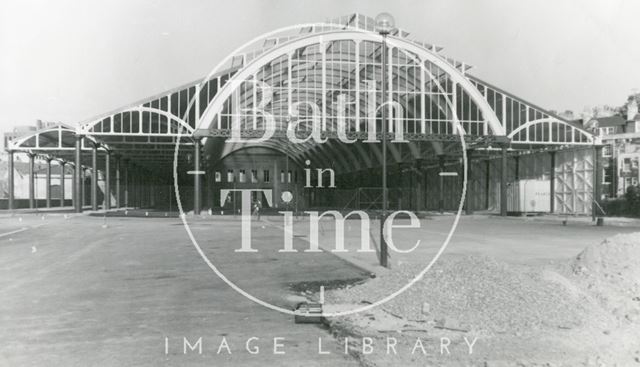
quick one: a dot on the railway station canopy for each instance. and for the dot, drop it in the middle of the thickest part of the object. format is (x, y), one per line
(324, 78)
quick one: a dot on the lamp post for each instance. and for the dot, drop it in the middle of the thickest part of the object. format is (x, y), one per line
(384, 25)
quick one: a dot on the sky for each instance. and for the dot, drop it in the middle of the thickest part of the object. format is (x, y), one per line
(70, 60)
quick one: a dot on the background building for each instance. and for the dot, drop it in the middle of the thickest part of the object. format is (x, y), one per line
(621, 136)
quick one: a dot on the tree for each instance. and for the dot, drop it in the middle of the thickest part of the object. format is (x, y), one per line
(622, 110)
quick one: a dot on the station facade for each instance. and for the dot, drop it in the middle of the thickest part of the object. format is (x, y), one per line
(313, 99)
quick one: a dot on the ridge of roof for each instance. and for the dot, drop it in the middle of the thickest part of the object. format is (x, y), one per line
(609, 121)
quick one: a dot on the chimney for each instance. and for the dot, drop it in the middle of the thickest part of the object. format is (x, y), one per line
(632, 109)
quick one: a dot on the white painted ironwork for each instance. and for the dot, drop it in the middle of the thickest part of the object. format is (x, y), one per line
(550, 130)
(52, 139)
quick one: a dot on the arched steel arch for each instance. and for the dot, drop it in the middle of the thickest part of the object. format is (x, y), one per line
(554, 130)
(54, 137)
(106, 126)
(215, 107)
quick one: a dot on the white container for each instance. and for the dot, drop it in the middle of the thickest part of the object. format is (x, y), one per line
(529, 196)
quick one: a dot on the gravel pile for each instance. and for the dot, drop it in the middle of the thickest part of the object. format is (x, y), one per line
(611, 272)
(480, 294)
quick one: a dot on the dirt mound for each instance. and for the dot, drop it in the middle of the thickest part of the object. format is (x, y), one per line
(611, 272)
(560, 314)
(481, 294)
(616, 257)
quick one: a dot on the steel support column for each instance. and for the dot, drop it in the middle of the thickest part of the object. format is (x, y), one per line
(419, 185)
(467, 194)
(503, 182)
(74, 199)
(94, 177)
(117, 182)
(146, 189)
(132, 181)
(144, 203)
(487, 185)
(141, 192)
(77, 173)
(276, 185)
(48, 183)
(207, 188)
(196, 177)
(107, 181)
(10, 178)
(83, 187)
(62, 181)
(441, 190)
(136, 189)
(597, 182)
(383, 241)
(552, 183)
(400, 178)
(126, 183)
(31, 181)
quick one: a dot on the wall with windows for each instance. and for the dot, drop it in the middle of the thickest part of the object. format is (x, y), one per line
(256, 168)
(629, 174)
(621, 158)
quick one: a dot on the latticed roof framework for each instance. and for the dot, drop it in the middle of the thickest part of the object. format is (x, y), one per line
(330, 75)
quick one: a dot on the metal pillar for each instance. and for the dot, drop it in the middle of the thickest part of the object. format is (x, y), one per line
(74, 199)
(77, 179)
(83, 188)
(48, 183)
(62, 181)
(503, 182)
(132, 181)
(94, 177)
(139, 189)
(196, 177)
(141, 193)
(441, 191)
(276, 185)
(487, 185)
(467, 194)
(31, 181)
(207, 190)
(126, 184)
(138, 184)
(135, 180)
(552, 183)
(597, 181)
(419, 183)
(107, 182)
(383, 216)
(117, 182)
(11, 181)
(146, 190)
(132, 188)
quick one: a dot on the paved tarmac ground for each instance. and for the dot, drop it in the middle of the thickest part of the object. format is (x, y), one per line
(511, 239)
(85, 291)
